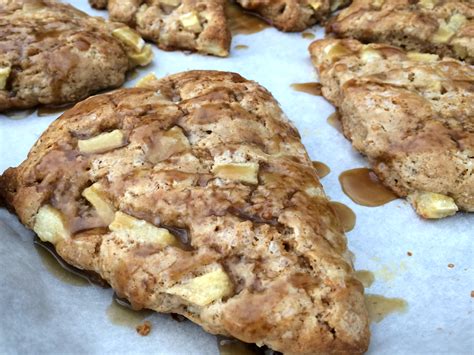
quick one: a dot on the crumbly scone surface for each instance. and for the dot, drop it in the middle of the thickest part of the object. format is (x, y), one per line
(293, 15)
(255, 251)
(411, 114)
(196, 25)
(444, 27)
(52, 53)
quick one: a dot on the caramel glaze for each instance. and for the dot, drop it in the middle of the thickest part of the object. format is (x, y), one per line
(346, 216)
(64, 271)
(380, 307)
(124, 303)
(121, 313)
(334, 120)
(321, 169)
(309, 88)
(308, 35)
(229, 346)
(366, 277)
(242, 22)
(364, 188)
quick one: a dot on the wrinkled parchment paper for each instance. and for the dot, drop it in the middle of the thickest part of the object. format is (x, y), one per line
(41, 314)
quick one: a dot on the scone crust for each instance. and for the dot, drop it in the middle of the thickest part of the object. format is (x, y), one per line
(412, 25)
(56, 54)
(163, 24)
(410, 113)
(273, 234)
(293, 15)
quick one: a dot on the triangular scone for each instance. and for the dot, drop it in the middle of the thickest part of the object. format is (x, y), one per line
(52, 53)
(293, 15)
(411, 114)
(195, 25)
(195, 196)
(443, 27)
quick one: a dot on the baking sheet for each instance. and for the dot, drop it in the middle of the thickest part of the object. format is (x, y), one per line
(41, 313)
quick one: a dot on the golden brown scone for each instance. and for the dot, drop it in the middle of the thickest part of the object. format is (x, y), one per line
(195, 25)
(293, 15)
(411, 114)
(194, 195)
(51, 54)
(443, 27)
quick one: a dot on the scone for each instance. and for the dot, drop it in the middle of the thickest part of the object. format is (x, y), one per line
(443, 27)
(411, 114)
(51, 54)
(195, 25)
(293, 15)
(194, 195)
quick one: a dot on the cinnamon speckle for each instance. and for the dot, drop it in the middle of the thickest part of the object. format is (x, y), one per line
(144, 329)
(450, 266)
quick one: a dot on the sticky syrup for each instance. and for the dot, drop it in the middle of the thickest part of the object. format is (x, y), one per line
(63, 271)
(241, 22)
(308, 35)
(120, 313)
(364, 188)
(380, 307)
(366, 277)
(335, 121)
(308, 88)
(346, 216)
(321, 169)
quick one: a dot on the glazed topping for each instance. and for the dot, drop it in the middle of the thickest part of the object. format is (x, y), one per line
(193, 194)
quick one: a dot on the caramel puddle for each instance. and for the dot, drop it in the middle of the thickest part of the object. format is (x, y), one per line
(60, 271)
(120, 314)
(346, 216)
(63, 271)
(308, 88)
(242, 22)
(321, 169)
(308, 35)
(380, 307)
(364, 188)
(366, 277)
(335, 121)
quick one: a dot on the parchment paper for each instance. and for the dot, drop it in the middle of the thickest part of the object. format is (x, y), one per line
(41, 314)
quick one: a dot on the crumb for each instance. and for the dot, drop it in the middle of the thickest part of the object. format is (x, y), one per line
(472, 294)
(144, 329)
(450, 266)
(409, 253)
